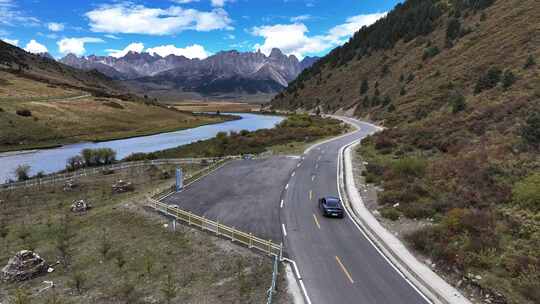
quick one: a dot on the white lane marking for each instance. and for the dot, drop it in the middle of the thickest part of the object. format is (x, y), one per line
(294, 172)
(312, 177)
(300, 279)
(286, 186)
(281, 205)
(310, 195)
(284, 230)
(316, 166)
(339, 164)
(299, 164)
(319, 158)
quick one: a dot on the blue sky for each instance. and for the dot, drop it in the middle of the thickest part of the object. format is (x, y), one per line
(194, 28)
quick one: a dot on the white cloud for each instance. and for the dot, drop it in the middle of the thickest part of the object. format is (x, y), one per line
(293, 39)
(129, 18)
(184, 1)
(110, 36)
(192, 51)
(35, 47)
(300, 18)
(55, 27)
(76, 45)
(133, 47)
(14, 42)
(11, 15)
(218, 3)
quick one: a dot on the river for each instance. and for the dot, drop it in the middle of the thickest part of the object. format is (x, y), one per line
(54, 159)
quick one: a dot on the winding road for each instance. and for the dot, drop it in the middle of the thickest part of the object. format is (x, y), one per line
(337, 263)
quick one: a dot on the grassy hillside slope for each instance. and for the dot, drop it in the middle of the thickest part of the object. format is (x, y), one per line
(45, 103)
(457, 84)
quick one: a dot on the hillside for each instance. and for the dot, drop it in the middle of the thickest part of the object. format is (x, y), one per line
(44, 103)
(456, 84)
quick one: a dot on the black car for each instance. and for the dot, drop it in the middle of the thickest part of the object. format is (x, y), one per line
(331, 206)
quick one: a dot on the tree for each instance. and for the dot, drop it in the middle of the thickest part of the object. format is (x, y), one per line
(318, 111)
(508, 79)
(488, 80)
(530, 62)
(364, 87)
(531, 131)
(22, 172)
(453, 29)
(457, 102)
(402, 91)
(387, 100)
(169, 290)
(74, 163)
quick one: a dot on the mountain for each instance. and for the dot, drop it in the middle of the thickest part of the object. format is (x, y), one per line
(456, 84)
(224, 72)
(43, 68)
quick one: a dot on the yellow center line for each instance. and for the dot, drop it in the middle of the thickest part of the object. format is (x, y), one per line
(316, 221)
(344, 270)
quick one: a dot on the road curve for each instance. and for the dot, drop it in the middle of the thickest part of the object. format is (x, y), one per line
(337, 263)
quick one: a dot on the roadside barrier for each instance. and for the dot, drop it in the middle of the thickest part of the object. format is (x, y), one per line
(273, 286)
(63, 177)
(246, 239)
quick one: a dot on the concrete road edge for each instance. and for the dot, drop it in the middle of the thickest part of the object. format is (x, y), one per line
(418, 274)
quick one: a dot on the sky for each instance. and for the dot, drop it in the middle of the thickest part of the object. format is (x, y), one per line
(193, 28)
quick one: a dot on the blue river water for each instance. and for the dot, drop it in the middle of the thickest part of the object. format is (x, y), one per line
(54, 159)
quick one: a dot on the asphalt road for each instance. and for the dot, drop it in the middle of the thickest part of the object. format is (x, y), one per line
(336, 262)
(242, 194)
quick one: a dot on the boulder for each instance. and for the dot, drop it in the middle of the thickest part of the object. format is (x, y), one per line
(122, 186)
(23, 266)
(80, 206)
(70, 185)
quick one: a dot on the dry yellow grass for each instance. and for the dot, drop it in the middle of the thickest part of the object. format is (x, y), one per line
(223, 106)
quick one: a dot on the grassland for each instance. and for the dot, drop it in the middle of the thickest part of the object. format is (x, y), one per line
(217, 106)
(60, 116)
(118, 252)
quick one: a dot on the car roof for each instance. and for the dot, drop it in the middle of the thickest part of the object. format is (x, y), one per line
(331, 198)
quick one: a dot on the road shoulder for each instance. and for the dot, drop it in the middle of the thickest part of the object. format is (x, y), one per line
(417, 273)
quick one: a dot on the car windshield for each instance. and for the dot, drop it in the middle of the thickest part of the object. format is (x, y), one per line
(332, 202)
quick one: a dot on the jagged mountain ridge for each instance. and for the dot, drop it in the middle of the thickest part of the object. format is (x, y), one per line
(249, 72)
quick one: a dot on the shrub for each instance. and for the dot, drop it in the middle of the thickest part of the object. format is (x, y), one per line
(526, 193)
(409, 167)
(1, 110)
(22, 172)
(430, 52)
(24, 112)
(390, 213)
(508, 79)
(489, 80)
(364, 87)
(97, 157)
(402, 91)
(530, 62)
(453, 29)
(74, 163)
(457, 102)
(531, 131)
(418, 209)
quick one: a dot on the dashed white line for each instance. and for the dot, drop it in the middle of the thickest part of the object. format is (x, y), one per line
(312, 177)
(294, 172)
(316, 166)
(284, 230)
(281, 204)
(299, 164)
(286, 186)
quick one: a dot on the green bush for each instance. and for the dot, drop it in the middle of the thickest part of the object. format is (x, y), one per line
(364, 87)
(453, 29)
(508, 79)
(526, 193)
(390, 213)
(409, 167)
(457, 102)
(24, 112)
(430, 52)
(489, 80)
(98, 157)
(531, 131)
(530, 62)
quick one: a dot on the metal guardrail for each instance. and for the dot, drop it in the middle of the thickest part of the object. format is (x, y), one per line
(62, 177)
(272, 288)
(247, 239)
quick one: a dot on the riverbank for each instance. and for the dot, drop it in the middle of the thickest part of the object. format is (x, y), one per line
(53, 123)
(290, 136)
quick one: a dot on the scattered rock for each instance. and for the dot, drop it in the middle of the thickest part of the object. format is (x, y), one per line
(23, 266)
(80, 206)
(70, 185)
(122, 186)
(396, 205)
